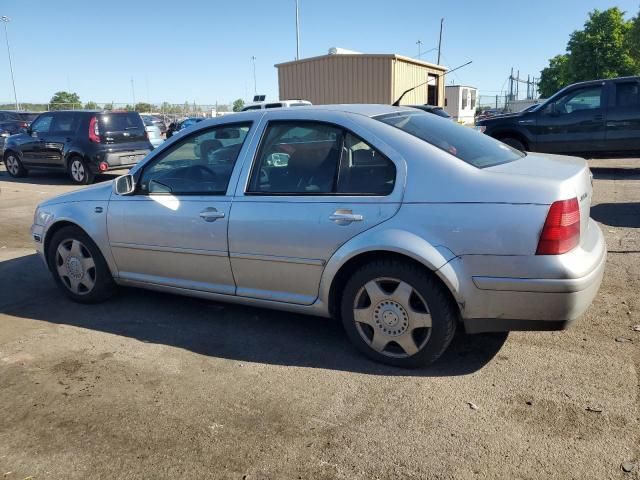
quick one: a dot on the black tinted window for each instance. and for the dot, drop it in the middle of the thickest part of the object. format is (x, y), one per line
(199, 164)
(468, 145)
(119, 122)
(627, 95)
(363, 170)
(297, 158)
(65, 123)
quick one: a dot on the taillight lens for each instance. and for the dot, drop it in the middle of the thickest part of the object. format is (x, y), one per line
(561, 231)
(94, 132)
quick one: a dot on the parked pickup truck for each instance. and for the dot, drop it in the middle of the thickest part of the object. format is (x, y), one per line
(595, 118)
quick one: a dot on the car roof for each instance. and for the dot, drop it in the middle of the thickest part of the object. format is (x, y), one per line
(598, 81)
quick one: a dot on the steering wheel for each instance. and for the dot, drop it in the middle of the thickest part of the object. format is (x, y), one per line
(202, 173)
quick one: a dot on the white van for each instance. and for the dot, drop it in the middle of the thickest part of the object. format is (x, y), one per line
(278, 104)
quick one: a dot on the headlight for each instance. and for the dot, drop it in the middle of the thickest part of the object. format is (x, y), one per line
(41, 217)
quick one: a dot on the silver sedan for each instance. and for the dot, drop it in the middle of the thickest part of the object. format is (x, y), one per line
(402, 224)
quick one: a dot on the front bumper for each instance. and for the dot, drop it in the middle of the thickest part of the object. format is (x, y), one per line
(506, 303)
(37, 234)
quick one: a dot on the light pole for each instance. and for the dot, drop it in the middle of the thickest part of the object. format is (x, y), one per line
(297, 33)
(6, 20)
(255, 85)
(419, 43)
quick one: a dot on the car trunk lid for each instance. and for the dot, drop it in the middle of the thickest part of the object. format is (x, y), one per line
(572, 174)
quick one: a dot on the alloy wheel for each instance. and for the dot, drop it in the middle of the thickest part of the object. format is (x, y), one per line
(392, 317)
(77, 170)
(12, 165)
(75, 266)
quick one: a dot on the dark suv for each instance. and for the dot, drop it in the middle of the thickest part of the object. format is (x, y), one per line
(596, 118)
(82, 143)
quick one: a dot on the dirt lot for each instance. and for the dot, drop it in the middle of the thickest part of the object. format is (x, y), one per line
(154, 386)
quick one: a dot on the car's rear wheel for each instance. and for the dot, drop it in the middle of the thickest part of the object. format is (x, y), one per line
(14, 165)
(514, 142)
(397, 313)
(79, 171)
(78, 267)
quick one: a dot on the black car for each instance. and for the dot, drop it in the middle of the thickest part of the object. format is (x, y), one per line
(175, 127)
(12, 122)
(80, 142)
(595, 118)
(439, 111)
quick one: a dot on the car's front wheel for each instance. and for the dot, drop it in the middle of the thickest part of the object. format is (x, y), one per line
(397, 313)
(79, 171)
(14, 165)
(78, 267)
(514, 142)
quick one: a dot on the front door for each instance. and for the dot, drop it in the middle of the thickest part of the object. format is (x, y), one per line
(313, 187)
(574, 123)
(32, 145)
(173, 231)
(623, 117)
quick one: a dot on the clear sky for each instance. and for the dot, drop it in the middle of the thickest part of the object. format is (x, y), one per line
(201, 51)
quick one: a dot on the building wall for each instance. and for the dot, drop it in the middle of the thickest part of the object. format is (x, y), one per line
(337, 79)
(358, 78)
(407, 75)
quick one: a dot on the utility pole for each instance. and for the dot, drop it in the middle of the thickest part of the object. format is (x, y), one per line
(419, 43)
(133, 95)
(6, 20)
(297, 33)
(255, 85)
(440, 40)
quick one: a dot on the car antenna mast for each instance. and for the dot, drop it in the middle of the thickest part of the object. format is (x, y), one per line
(397, 102)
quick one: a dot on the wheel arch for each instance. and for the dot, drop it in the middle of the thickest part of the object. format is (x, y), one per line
(513, 133)
(405, 246)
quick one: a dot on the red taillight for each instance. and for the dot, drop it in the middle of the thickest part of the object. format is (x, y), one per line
(104, 166)
(94, 132)
(561, 231)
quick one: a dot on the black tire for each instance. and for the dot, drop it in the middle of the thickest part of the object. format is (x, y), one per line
(103, 284)
(79, 171)
(14, 165)
(426, 289)
(515, 143)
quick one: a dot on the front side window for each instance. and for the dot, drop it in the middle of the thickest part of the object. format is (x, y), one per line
(42, 124)
(468, 145)
(628, 95)
(583, 99)
(200, 164)
(312, 158)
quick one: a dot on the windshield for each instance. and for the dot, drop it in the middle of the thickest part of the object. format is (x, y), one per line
(465, 143)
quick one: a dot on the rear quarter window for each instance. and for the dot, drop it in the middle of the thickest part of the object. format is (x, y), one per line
(462, 142)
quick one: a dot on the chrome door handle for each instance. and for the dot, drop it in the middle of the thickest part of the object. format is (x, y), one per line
(345, 217)
(211, 214)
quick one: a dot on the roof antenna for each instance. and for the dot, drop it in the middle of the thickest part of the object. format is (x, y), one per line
(397, 102)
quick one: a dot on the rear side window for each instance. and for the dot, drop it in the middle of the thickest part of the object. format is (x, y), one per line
(273, 105)
(65, 123)
(628, 95)
(119, 122)
(314, 158)
(468, 145)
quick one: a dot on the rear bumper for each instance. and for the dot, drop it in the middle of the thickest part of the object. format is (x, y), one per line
(119, 160)
(498, 304)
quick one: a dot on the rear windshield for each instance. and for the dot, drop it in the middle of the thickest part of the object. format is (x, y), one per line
(465, 143)
(119, 122)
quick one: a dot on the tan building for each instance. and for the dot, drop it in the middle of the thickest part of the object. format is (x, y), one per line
(361, 78)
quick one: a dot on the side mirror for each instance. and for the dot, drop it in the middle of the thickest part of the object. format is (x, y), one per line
(124, 185)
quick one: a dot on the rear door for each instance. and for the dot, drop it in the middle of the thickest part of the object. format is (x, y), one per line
(313, 186)
(62, 133)
(574, 123)
(623, 117)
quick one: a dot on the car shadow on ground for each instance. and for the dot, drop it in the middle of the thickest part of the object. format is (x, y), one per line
(44, 177)
(218, 329)
(615, 173)
(617, 214)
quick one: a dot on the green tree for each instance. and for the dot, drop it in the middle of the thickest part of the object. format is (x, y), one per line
(604, 48)
(91, 106)
(143, 107)
(65, 101)
(238, 105)
(554, 77)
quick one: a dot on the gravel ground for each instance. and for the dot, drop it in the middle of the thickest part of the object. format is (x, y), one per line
(150, 385)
